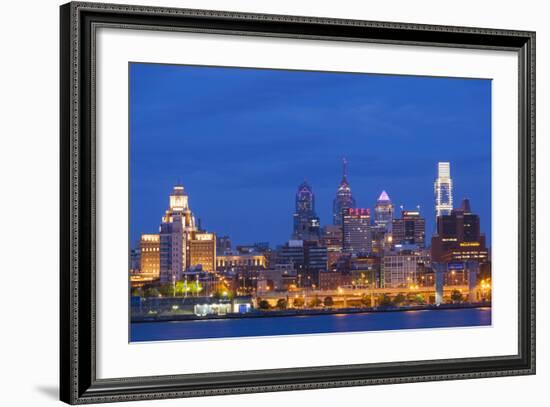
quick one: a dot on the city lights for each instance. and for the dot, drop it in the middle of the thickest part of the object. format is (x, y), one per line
(356, 262)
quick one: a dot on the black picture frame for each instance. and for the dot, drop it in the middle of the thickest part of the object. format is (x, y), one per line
(78, 382)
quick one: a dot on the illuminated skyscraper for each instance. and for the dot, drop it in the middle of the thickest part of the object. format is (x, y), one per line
(443, 188)
(177, 224)
(357, 237)
(306, 222)
(383, 212)
(344, 199)
(410, 229)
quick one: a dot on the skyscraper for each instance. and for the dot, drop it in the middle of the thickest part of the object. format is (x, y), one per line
(344, 199)
(458, 237)
(357, 236)
(177, 224)
(443, 189)
(306, 222)
(292, 253)
(383, 212)
(332, 240)
(409, 229)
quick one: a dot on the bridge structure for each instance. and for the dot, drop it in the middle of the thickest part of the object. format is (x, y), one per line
(345, 296)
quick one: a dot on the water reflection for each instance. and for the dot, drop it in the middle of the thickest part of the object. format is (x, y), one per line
(295, 325)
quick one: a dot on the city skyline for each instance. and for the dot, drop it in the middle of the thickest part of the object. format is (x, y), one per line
(306, 186)
(305, 203)
(259, 184)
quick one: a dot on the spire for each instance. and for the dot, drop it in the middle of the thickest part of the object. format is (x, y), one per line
(345, 169)
(344, 199)
(384, 197)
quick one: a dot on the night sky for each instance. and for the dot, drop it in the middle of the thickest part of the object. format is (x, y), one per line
(242, 140)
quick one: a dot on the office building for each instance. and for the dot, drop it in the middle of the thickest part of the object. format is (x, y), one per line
(306, 222)
(177, 224)
(401, 270)
(383, 212)
(410, 229)
(315, 256)
(149, 248)
(331, 238)
(307, 258)
(357, 231)
(458, 237)
(381, 240)
(443, 190)
(292, 253)
(404, 266)
(202, 251)
(344, 198)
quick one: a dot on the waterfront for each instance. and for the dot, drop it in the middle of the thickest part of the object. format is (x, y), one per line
(298, 325)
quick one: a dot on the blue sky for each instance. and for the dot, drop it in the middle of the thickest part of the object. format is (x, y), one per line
(242, 140)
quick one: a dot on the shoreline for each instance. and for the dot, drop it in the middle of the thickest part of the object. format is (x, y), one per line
(301, 313)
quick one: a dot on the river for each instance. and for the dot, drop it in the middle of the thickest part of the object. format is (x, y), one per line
(296, 325)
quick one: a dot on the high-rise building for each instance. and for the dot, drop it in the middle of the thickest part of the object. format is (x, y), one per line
(315, 256)
(443, 189)
(458, 237)
(405, 266)
(403, 269)
(383, 212)
(410, 229)
(344, 199)
(177, 224)
(307, 258)
(357, 231)
(381, 240)
(292, 253)
(332, 240)
(306, 222)
(149, 248)
(202, 251)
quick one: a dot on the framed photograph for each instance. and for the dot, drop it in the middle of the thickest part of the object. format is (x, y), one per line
(255, 203)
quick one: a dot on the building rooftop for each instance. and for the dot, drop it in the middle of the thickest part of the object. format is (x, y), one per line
(384, 197)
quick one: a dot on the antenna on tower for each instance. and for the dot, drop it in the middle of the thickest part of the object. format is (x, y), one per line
(345, 167)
